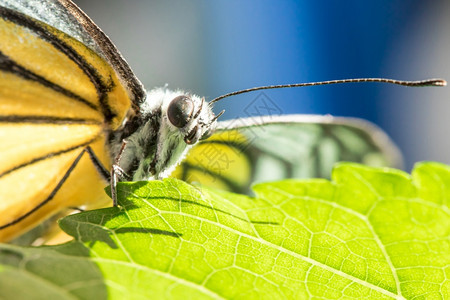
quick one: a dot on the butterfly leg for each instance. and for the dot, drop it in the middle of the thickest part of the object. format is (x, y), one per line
(117, 172)
(77, 209)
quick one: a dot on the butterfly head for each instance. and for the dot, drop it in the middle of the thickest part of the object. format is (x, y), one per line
(185, 119)
(169, 124)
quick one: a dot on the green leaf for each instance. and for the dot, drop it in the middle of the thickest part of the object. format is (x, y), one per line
(369, 233)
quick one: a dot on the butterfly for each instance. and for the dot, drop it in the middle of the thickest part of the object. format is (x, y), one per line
(73, 117)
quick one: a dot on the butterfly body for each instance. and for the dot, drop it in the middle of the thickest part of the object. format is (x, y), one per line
(154, 145)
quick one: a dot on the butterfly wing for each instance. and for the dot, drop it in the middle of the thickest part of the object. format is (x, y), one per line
(245, 151)
(57, 98)
(65, 16)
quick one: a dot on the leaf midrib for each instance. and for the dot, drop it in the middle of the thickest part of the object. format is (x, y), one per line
(286, 251)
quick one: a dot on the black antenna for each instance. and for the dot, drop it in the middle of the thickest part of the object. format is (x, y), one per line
(426, 82)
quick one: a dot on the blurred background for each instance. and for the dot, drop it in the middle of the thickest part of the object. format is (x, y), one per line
(214, 47)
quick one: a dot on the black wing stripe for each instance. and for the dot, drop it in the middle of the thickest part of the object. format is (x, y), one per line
(49, 197)
(245, 148)
(187, 167)
(101, 169)
(240, 148)
(101, 87)
(47, 120)
(10, 66)
(110, 51)
(47, 156)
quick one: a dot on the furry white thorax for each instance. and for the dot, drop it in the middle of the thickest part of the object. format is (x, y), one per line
(161, 149)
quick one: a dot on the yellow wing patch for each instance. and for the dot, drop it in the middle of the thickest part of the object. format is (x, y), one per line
(23, 143)
(218, 162)
(21, 97)
(118, 99)
(67, 64)
(23, 191)
(40, 57)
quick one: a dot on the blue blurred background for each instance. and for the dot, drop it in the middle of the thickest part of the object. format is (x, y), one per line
(214, 47)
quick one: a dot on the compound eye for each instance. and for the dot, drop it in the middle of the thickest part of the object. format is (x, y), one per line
(180, 111)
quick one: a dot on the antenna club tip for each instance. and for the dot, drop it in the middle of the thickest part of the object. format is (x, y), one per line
(439, 82)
